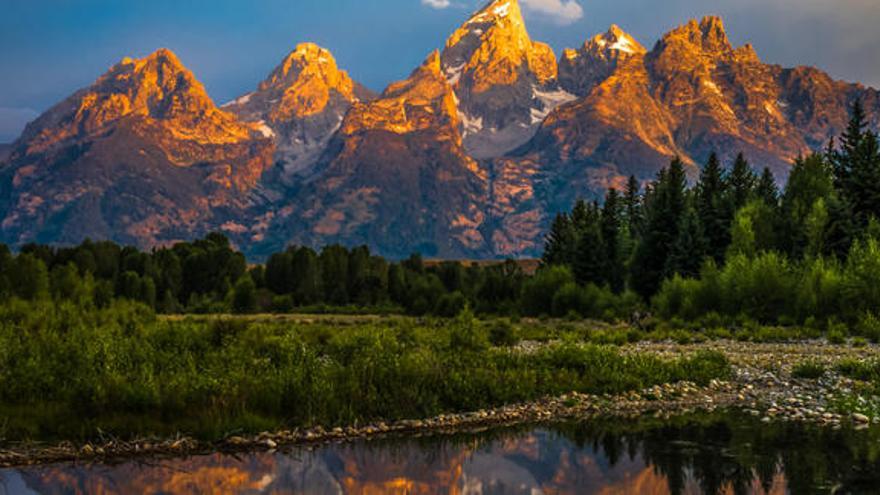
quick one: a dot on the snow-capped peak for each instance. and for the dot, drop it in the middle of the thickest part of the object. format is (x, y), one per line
(494, 11)
(615, 39)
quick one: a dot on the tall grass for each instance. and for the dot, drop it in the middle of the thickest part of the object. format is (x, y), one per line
(66, 372)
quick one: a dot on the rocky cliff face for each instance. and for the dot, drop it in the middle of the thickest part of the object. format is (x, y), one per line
(142, 156)
(301, 105)
(395, 177)
(471, 156)
(506, 83)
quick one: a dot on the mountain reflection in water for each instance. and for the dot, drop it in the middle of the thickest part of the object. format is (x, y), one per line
(727, 454)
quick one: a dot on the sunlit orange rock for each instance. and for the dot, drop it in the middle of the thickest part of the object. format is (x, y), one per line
(143, 156)
(504, 81)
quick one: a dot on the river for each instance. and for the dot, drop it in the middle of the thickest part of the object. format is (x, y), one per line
(719, 453)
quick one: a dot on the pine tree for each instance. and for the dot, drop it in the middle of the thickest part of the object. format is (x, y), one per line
(590, 262)
(857, 168)
(842, 161)
(766, 188)
(713, 213)
(632, 205)
(561, 242)
(580, 215)
(611, 226)
(741, 183)
(686, 256)
(664, 207)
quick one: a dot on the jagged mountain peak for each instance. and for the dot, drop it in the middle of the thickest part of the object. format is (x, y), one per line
(301, 103)
(616, 40)
(492, 46)
(580, 70)
(158, 84)
(498, 10)
(424, 100)
(157, 88)
(504, 81)
(707, 36)
(309, 60)
(303, 84)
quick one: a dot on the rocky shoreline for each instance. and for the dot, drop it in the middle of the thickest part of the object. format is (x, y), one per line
(761, 385)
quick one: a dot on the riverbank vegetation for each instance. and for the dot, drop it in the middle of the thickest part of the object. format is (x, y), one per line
(68, 373)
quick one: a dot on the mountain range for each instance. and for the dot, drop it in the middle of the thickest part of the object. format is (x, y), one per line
(471, 156)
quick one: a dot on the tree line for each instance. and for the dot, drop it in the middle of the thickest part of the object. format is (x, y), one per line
(210, 276)
(733, 245)
(730, 247)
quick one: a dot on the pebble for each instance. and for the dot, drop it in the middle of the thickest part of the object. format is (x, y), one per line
(860, 418)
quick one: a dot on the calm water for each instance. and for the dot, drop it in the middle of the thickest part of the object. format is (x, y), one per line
(709, 454)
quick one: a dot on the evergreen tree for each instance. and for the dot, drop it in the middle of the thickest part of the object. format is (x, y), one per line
(741, 182)
(846, 159)
(632, 205)
(686, 256)
(590, 263)
(712, 211)
(561, 242)
(766, 188)
(611, 240)
(664, 207)
(581, 216)
(856, 167)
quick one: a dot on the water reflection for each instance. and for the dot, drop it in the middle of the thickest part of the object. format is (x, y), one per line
(714, 454)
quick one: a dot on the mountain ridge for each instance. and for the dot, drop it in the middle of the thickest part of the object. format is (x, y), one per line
(141, 156)
(470, 156)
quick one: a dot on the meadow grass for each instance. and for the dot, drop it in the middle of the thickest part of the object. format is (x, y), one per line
(68, 373)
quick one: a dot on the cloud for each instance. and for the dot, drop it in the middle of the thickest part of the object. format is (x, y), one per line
(559, 11)
(437, 4)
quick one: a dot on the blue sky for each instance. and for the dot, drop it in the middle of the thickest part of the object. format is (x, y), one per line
(50, 48)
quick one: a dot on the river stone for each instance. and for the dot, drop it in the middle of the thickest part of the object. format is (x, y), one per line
(860, 418)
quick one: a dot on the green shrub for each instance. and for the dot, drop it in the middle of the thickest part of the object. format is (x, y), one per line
(466, 334)
(450, 305)
(859, 369)
(503, 334)
(809, 370)
(868, 326)
(837, 333)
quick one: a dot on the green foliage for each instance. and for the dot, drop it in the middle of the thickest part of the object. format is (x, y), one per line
(713, 209)
(244, 298)
(502, 333)
(90, 369)
(808, 370)
(868, 326)
(539, 291)
(664, 206)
